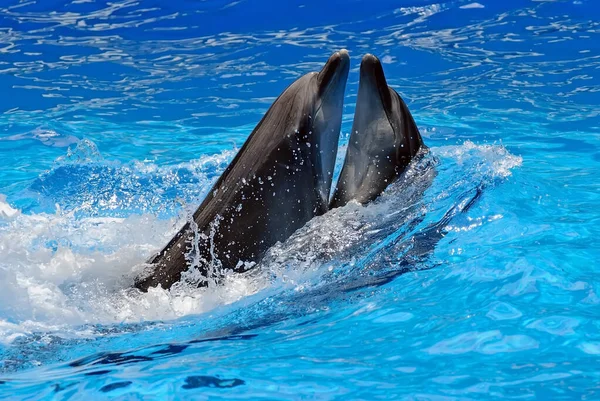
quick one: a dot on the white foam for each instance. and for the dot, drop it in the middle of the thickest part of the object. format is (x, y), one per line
(472, 5)
(6, 212)
(494, 160)
(60, 271)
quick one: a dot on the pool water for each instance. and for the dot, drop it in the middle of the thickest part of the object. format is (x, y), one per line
(473, 277)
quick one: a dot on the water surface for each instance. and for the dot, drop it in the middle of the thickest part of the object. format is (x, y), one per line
(476, 281)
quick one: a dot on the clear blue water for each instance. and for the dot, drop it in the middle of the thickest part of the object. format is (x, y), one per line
(478, 281)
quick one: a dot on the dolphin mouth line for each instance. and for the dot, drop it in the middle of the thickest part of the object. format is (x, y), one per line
(385, 109)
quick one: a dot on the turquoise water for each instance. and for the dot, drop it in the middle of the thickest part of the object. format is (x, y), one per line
(477, 281)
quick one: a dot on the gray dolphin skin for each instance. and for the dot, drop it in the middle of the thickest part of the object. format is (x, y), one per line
(277, 182)
(383, 141)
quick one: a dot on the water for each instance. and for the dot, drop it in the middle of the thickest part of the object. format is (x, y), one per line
(476, 281)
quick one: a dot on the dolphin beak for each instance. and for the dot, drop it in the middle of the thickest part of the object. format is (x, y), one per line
(373, 85)
(335, 71)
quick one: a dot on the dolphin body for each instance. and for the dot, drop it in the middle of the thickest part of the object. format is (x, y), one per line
(383, 141)
(278, 181)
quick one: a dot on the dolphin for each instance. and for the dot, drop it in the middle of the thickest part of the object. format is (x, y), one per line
(383, 141)
(279, 180)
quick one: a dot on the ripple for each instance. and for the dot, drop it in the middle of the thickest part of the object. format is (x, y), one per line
(555, 325)
(591, 348)
(489, 342)
(503, 311)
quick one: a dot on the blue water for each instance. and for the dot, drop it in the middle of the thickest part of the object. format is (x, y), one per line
(476, 281)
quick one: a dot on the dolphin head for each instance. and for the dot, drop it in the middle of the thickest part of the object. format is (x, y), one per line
(327, 118)
(383, 141)
(385, 126)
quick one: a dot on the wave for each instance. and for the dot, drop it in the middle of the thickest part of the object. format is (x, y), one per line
(69, 271)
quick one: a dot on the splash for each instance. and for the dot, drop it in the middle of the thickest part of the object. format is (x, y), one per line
(62, 270)
(400, 230)
(74, 265)
(84, 183)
